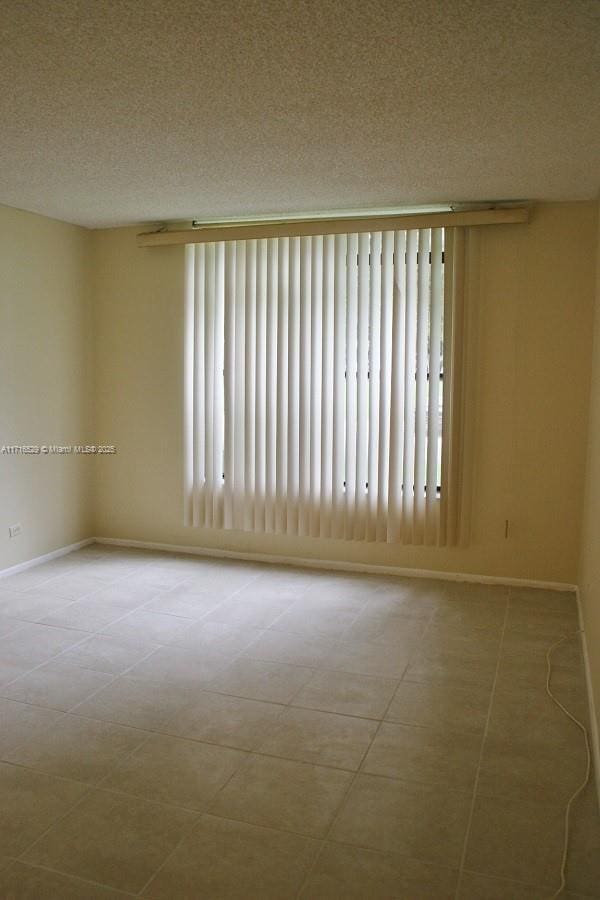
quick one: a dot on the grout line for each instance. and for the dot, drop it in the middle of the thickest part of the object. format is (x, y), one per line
(76, 878)
(481, 752)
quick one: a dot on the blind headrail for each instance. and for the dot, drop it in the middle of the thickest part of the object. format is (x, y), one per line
(247, 231)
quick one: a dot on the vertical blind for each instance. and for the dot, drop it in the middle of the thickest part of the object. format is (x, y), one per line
(321, 390)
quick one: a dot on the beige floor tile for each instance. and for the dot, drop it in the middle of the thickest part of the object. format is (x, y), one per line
(449, 667)
(482, 887)
(107, 654)
(343, 692)
(425, 755)
(323, 738)
(177, 666)
(470, 591)
(86, 615)
(403, 632)
(220, 719)
(149, 626)
(281, 794)
(356, 874)
(516, 840)
(54, 567)
(80, 749)
(280, 589)
(21, 723)
(219, 636)
(141, 704)
(72, 585)
(296, 649)
(251, 611)
(417, 596)
(523, 660)
(174, 770)
(524, 712)
(469, 617)
(196, 593)
(29, 803)
(154, 577)
(34, 644)
(543, 613)
(440, 706)
(11, 670)
(583, 863)
(126, 595)
(189, 606)
(319, 616)
(8, 625)
(415, 820)
(23, 882)
(527, 770)
(56, 685)
(30, 606)
(259, 680)
(224, 860)
(367, 658)
(112, 839)
(440, 641)
(560, 601)
(23, 581)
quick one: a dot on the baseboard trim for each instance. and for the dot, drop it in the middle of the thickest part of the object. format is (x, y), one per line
(46, 557)
(594, 730)
(336, 565)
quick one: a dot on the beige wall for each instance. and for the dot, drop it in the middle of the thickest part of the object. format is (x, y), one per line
(535, 313)
(589, 575)
(45, 382)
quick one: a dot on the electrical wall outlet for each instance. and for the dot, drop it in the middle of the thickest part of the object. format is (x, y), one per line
(15, 530)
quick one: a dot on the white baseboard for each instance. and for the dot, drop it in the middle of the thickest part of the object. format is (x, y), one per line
(337, 565)
(37, 560)
(594, 731)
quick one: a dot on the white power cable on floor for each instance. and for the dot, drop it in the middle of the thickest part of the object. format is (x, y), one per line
(588, 769)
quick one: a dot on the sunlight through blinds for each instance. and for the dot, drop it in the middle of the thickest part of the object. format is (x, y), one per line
(320, 398)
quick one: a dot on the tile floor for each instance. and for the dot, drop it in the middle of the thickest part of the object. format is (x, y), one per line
(174, 728)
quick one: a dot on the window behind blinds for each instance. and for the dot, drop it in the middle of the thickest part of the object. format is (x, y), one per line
(320, 399)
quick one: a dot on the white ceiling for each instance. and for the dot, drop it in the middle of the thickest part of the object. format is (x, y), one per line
(123, 111)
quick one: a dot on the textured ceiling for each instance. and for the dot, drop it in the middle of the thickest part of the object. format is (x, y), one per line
(123, 111)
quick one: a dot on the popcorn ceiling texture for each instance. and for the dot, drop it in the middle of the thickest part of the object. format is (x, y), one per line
(123, 111)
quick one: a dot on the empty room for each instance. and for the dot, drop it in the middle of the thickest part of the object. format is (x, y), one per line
(299, 449)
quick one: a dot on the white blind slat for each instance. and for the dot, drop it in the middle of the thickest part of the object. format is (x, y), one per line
(410, 337)
(397, 422)
(260, 407)
(250, 387)
(282, 385)
(351, 366)
(239, 361)
(316, 367)
(327, 394)
(229, 378)
(304, 434)
(422, 341)
(271, 386)
(374, 376)
(385, 365)
(293, 469)
(433, 402)
(362, 389)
